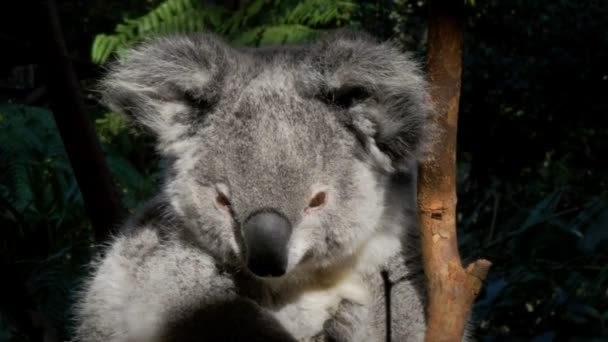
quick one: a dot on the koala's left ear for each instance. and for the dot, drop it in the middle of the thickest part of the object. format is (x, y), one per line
(168, 84)
(383, 93)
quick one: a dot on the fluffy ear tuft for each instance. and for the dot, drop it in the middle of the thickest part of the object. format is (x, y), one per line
(384, 93)
(159, 82)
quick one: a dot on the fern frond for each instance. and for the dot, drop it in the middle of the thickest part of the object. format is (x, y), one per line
(172, 16)
(249, 38)
(243, 17)
(321, 13)
(19, 185)
(273, 35)
(110, 125)
(259, 22)
(284, 34)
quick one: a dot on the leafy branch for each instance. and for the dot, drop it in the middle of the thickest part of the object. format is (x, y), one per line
(260, 22)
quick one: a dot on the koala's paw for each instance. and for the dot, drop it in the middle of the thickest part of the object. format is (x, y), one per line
(347, 325)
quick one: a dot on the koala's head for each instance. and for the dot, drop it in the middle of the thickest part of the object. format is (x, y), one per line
(278, 157)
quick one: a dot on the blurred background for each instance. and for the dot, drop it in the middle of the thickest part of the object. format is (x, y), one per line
(532, 146)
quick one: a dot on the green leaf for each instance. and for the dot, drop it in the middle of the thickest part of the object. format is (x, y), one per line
(171, 16)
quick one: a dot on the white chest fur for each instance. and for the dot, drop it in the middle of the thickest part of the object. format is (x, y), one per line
(306, 305)
(306, 313)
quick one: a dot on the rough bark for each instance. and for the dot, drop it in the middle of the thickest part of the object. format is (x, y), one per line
(452, 288)
(98, 190)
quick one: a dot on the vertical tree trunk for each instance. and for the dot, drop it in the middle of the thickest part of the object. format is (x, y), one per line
(99, 193)
(452, 289)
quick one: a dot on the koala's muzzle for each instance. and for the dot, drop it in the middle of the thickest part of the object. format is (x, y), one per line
(266, 234)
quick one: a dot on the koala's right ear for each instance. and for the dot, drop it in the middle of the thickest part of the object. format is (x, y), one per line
(384, 94)
(167, 84)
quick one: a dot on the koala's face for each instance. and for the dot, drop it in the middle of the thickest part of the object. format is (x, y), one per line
(278, 157)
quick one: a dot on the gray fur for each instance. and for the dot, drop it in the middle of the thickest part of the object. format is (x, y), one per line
(268, 128)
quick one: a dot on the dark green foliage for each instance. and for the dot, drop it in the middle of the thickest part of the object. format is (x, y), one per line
(37, 184)
(533, 197)
(259, 22)
(39, 199)
(46, 235)
(550, 274)
(171, 16)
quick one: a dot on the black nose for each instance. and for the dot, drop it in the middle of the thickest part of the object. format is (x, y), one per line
(266, 235)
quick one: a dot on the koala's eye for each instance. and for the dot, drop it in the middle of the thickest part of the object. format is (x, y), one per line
(222, 200)
(318, 200)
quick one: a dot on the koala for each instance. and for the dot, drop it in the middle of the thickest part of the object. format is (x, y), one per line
(287, 210)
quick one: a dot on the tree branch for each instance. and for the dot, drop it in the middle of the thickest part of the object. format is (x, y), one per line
(98, 190)
(452, 289)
